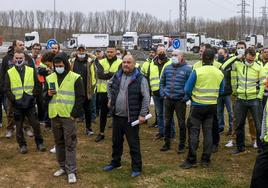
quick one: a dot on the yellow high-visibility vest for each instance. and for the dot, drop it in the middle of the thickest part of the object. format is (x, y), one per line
(208, 81)
(102, 84)
(63, 101)
(16, 84)
(155, 77)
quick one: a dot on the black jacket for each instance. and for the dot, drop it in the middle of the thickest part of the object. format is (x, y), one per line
(36, 91)
(78, 87)
(7, 63)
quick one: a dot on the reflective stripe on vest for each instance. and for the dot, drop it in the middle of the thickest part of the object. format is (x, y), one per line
(154, 75)
(206, 89)
(63, 101)
(102, 84)
(249, 80)
(16, 85)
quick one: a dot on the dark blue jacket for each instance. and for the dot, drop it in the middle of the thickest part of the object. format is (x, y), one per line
(173, 81)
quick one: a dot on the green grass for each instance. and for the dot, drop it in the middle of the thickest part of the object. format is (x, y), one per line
(160, 169)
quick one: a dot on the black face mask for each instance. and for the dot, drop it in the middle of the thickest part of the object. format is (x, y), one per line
(162, 56)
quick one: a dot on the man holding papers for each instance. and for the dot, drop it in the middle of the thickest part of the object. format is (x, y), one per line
(129, 99)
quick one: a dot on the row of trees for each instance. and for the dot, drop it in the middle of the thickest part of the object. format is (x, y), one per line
(13, 24)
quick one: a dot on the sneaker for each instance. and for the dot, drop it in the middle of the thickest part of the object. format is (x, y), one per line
(158, 136)
(53, 150)
(41, 147)
(180, 151)
(72, 178)
(23, 150)
(9, 134)
(188, 165)
(135, 174)
(204, 164)
(29, 133)
(255, 144)
(110, 167)
(99, 138)
(229, 144)
(1, 125)
(59, 172)
(89, 132)
(238, 151)
(165, 147)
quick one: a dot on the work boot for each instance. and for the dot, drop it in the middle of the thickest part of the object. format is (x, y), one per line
(23, 149)
(41, 147)
(165, 147)
(99, 138)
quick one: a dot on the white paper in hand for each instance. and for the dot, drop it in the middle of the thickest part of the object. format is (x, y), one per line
(134, 123)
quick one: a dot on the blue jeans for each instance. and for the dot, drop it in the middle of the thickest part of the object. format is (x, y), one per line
(159, 106)
(224, 101)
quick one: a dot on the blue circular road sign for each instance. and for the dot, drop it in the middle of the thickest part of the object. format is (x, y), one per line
(50, 42)
(176, 43)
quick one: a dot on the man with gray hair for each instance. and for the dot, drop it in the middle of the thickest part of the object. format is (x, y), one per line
(129, 99)
(172, 85)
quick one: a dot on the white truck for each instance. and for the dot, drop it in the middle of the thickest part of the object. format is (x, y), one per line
(30, 39)
(130, 41)
(255, 41)
(194, 41)
(88, 40)
(160, 40)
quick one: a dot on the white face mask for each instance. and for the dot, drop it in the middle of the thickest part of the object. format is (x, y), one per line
(59, 70)
(248, 64)
(240, 51)
(175, 60)
(81, 56)
(19, 63)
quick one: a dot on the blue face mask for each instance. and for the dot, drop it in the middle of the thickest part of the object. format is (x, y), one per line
(220, 58)
(59, 70)
(175, 60)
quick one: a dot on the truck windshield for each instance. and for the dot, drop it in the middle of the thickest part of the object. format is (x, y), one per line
(157, 41)
(29, 38)
(248, 39)
(190, 40)
(128, 39)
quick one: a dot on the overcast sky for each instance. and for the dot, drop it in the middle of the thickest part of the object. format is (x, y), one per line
(208, 9)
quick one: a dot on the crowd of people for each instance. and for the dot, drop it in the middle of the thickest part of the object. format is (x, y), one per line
(57, 90)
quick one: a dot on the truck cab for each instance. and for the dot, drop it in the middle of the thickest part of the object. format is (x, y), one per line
(255, 41)
(145, 42)
(194, 41)
(130, 41)
(30, 39)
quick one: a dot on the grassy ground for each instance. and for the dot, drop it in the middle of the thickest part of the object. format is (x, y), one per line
(35, 169)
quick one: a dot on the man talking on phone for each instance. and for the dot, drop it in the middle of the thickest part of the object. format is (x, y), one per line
(65, 95)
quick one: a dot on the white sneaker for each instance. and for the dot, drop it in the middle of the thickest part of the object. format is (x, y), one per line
(9, 134)
(29, 133)
(229, 144)
(53, 150)
(59, 172)
(72, 178)
(255, 144)
(1, 125)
